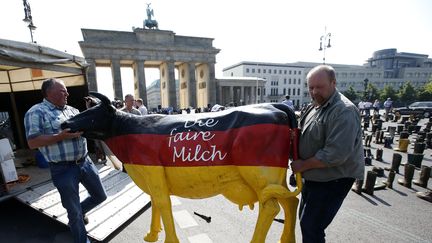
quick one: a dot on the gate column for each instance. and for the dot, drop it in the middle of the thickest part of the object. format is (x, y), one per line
(139, 81)
(116, 77)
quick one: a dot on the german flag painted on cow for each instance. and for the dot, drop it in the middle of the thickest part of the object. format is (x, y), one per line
(240, 153)
(249, 137)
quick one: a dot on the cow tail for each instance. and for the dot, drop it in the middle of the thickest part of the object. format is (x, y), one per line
(294, 150)
(278, 191)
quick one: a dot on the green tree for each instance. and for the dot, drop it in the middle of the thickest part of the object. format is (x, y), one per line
(425, 92)
(351, 94)
(373, 92)
(388, 92)
(407, 94)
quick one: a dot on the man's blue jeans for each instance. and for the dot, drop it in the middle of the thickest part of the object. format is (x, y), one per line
(66, 178)
(319, 204)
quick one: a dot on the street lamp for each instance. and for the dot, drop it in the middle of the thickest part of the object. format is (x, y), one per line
(256, 90)
(28, 18)
(323, 39)
(365, 96)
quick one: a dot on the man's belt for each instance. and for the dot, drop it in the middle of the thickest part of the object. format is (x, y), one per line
(70, 162)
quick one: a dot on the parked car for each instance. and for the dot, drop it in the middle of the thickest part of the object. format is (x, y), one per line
(421, 109)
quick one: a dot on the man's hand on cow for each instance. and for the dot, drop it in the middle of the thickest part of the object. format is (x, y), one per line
(66, 134)
(297, 166)
(90, 101)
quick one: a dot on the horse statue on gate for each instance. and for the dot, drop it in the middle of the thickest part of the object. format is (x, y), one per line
(241, 153)
(149, 22)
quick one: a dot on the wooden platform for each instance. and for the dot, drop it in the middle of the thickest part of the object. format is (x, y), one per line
(124, 200)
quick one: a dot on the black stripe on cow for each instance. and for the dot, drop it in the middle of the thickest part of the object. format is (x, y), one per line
(217, 121)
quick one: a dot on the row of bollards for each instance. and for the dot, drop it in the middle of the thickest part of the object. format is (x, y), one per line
(405, 127)
(370, 185)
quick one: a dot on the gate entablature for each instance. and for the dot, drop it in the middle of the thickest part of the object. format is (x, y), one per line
(153, 48)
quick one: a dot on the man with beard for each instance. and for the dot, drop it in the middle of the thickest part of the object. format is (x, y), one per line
(330, 152)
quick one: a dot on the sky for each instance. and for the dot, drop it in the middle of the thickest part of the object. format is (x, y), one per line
(278, 31)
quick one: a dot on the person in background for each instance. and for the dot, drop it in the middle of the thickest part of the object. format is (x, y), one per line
(66, 153)
(361, 107)
(367, 107)
(376, 106)
(141, 107)
(287, 101)
(388, 105)
(129, 105)
(330, 153)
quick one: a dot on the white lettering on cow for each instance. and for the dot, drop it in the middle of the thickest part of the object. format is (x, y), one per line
(201, 123)
(188, 155)
(196, 153)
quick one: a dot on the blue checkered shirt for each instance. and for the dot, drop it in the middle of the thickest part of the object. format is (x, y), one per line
(45, 119)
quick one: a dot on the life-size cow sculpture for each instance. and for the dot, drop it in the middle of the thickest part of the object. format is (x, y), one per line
(241, 153)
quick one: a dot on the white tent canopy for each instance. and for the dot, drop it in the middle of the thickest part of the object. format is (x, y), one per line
(23, 66)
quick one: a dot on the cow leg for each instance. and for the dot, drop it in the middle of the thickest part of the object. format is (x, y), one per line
(152, 180)
(289, 206)
(267, 211)
(162, 203)
(155, 226)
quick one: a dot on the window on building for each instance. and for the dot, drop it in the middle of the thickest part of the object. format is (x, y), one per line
(289, 91)
(299, 72)
(298, 91)
(284, 91)
(274, 71)
(284, 80)
(232, 74)
(280, 71)
(253, 70)
(289, 71)
(294, 81)
(259, 70)
(295, 71)
(285, 72)
(289, 81)
(264, 71)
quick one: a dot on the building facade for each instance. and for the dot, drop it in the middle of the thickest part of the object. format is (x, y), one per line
(385, 67)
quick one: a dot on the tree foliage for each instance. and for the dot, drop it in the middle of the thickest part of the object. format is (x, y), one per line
(350, 93)
(388, 92)
(407, 94)
(373, 92)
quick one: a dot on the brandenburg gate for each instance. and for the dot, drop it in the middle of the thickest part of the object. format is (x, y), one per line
(193, 57)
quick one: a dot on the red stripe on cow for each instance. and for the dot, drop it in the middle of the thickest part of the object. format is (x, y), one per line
(256, 145)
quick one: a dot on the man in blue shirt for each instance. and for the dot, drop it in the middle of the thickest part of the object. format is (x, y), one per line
(66, 153)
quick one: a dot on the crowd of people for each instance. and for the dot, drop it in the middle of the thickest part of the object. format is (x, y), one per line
(366, 107)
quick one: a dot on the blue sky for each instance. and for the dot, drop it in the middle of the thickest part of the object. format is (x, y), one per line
(268, 31)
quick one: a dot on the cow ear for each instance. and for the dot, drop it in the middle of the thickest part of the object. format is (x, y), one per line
(101, 97)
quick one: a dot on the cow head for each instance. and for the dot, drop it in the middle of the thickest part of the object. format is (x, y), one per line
(95, 122)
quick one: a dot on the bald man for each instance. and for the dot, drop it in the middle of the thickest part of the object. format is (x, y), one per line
(330, 152)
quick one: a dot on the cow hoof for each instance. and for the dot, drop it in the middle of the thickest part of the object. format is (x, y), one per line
(151, 237)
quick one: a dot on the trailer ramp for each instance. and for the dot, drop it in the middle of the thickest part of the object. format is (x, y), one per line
(124, 200)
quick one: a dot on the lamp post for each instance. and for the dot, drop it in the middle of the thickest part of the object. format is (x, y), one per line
(365, 95)
(256, 91)
(324, 39)
(28, 18)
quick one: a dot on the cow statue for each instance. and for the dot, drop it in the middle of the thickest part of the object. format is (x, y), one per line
(241, 153)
